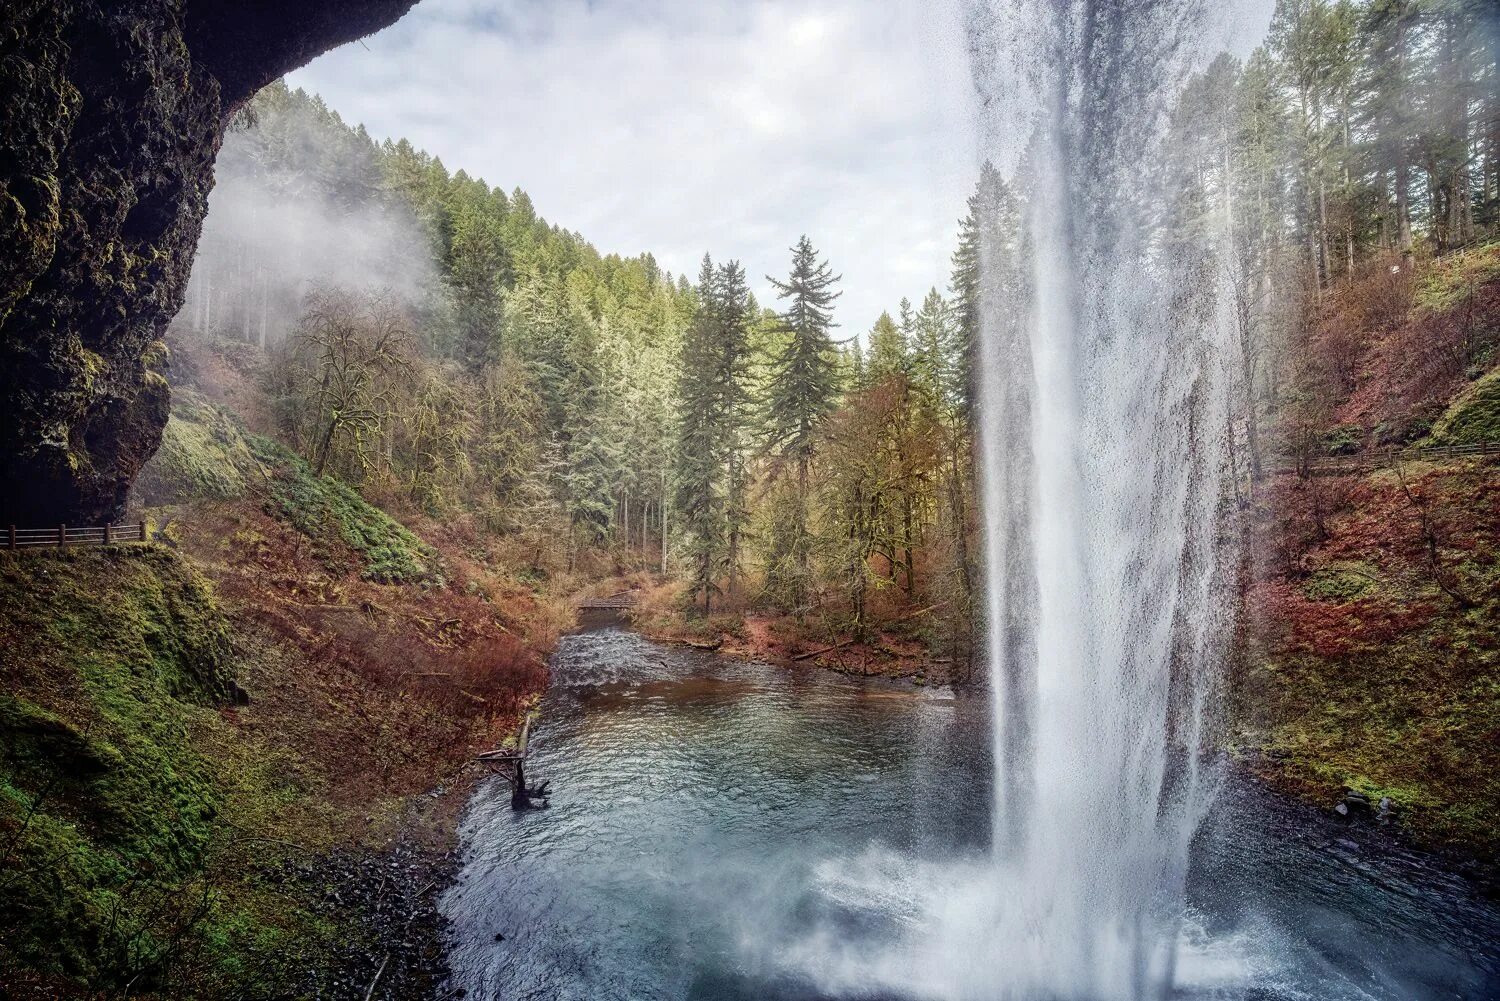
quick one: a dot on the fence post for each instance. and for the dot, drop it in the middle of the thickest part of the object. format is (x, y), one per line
(106, 533)
(143, 529)
(62, 536)
(12, 536)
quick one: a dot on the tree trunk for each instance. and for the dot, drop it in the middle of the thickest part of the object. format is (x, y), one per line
(801, 533)
(906, 539)
(1348, 198)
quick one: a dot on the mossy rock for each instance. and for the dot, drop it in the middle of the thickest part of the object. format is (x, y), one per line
(107, 805)
(203, 454)
(1473, 418)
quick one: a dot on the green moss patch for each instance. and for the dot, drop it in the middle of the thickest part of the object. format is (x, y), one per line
(328, 511)
(203, 454)
(1341, 583)
(106, 809)
(1474, 415)
(1372, 657)
(1445, 282)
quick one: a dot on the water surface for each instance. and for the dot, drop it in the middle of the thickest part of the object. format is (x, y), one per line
(728, 830)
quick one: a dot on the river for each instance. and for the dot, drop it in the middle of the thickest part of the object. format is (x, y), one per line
(728, 830)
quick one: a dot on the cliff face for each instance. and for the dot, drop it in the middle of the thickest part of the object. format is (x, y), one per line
(112, 113)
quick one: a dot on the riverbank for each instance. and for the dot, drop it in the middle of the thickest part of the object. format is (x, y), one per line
(1339, 622)
(1369, 660)
(901, 646)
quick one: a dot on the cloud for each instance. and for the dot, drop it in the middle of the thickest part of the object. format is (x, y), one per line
(681, 127)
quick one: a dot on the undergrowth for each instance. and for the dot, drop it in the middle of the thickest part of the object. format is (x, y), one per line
(1373, 661)
(207, 454)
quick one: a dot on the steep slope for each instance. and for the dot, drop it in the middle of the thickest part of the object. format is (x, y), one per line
(231, 761)
(1370, 672)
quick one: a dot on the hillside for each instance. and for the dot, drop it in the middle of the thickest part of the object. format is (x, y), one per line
(233, 757)
(1371, 658)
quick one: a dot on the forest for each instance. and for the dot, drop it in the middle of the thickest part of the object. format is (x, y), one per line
(433, 341)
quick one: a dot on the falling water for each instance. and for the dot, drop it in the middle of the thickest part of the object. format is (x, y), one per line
(1102, 395)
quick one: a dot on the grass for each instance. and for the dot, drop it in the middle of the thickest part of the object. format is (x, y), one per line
(207, 455)
(1444, 282)
(149, 822)
(343, 523)
(204, 453)
(106, 809)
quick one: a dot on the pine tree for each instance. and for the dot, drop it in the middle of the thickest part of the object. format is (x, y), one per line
(735, 316)
(700, 460)
(937, 351)
(888, 355)
(475, 270)
(964, 283)
(588, 464)
(804, 386)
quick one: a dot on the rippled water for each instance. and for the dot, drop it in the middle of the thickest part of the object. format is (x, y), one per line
(725, 830)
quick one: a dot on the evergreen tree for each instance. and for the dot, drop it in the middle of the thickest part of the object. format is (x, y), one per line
(804, 386)
(887, 348)
(735, 309)
(700, 460)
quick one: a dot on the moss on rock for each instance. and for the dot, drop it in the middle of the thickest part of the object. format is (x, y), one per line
(1473, 417)
(204, 453)
(112, 115)
(106, 808)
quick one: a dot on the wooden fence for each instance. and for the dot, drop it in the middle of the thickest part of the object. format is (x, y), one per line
(618, 600)
(1381, 457)
(67, 535)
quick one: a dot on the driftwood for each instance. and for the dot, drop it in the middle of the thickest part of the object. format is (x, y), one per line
(511, 763)
(839, 646)
(370, 992)
(703, 644)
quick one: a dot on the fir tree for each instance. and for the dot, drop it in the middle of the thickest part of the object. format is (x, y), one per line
(700, 461)
(804, 385)
(736, 314)
(887, 348)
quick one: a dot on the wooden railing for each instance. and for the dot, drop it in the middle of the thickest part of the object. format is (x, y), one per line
(68, 535)
(1378, 457)
(618, 600)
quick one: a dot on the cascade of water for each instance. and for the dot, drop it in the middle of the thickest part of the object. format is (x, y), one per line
(1102, 392)
(1105, 328)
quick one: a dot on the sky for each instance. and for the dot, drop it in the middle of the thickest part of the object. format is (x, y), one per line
(730, 127)
(682, 127)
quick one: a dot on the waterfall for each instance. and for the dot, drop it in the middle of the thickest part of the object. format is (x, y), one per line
(1105, 343)
(1102, 398)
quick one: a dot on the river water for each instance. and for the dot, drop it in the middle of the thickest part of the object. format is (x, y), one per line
(738, 831)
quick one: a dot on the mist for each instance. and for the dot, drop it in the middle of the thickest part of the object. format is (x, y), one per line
(290, 215)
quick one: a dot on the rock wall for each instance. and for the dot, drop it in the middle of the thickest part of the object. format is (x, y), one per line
(112, 113)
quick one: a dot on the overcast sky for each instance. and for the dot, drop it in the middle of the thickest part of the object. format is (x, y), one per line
(685, 126)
